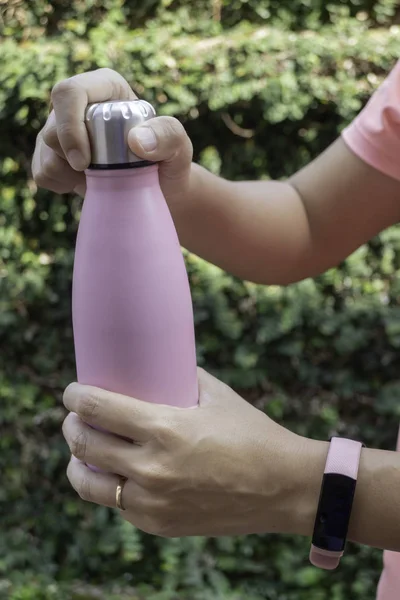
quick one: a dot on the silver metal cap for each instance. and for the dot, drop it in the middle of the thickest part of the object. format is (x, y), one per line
(108, 124)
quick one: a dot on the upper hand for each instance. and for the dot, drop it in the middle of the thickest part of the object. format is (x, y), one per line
(62, 147)
(223, 468)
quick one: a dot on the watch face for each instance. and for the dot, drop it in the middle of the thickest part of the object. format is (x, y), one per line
(334, 512)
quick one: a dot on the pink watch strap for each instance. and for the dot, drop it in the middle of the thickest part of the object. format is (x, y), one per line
(343, 459)
(324, 559)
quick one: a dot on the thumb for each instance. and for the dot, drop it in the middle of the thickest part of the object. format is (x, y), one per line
(162, 139)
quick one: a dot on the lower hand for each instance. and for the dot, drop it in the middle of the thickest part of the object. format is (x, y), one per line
(223, 468)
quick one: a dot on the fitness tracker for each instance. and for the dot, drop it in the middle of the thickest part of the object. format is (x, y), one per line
(335, 503)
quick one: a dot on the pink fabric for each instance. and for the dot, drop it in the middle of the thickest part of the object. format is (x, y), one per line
(375, 134)
(375, 137)
(343, 457)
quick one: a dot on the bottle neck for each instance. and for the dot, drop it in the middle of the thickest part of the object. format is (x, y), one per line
(112, 179)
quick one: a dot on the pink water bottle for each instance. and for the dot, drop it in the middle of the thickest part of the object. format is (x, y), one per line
(132, 309)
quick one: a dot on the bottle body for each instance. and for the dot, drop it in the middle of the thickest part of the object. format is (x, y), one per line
(131, 303)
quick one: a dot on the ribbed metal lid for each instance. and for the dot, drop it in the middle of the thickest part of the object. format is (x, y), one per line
(108, 124)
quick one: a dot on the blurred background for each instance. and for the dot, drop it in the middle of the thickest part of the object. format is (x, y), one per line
(262, 87)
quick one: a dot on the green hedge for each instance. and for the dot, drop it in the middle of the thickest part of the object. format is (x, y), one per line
(262, 87)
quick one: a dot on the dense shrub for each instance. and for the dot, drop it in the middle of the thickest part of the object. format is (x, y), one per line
(262, 87)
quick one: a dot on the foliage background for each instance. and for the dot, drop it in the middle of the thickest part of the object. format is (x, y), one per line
(262, 86)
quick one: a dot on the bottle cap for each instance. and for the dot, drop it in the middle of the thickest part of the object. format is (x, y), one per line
(108, 124)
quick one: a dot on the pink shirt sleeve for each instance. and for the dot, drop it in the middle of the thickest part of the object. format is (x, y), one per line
(374, 135)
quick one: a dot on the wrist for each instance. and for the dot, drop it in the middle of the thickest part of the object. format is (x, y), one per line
(306, 463)
(289, 475)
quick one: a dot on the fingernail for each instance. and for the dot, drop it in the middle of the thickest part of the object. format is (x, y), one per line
(146, 138)
(76, 160)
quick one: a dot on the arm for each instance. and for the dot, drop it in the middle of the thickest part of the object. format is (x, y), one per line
(280, 232)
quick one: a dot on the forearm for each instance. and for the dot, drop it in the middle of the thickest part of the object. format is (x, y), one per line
(256, 230)
(375, 519)
(280, 232)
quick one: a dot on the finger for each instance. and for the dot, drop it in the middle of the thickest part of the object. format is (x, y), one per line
(122, 415)
(56, 167)
(92, 486)
(70, 98)
(103, 450)
(99, 488)
(162, 139)
(142, 509)
(53, 173)
(53, 185)
(50, 135)
(59, 187)
(37, 173)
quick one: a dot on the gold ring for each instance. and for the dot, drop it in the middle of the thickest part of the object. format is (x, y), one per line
(118, 493)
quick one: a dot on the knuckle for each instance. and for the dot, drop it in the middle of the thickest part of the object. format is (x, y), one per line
(64, 431)
(169, 433)
(173, 128)
(163, 428)
(43, 180)
(72, 477)
(88, 406)
(62, 88)
(78, 445)
(154, 481)
(49, 167)
(59, 188)
(69, 394)
(66, 131)
(119, 86)
(84, 489)
(49, 136)
(157, 478)
(149, 476)
(40, 179)
(174, 131)
(107, 71)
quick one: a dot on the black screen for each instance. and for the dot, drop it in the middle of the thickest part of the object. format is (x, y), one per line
(334, 512)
